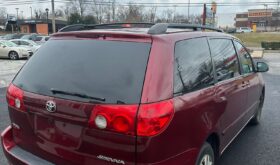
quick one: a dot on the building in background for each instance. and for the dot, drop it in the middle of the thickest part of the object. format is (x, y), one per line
(40, 26)
(259, 19)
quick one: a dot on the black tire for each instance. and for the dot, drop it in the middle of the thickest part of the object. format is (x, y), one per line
(13, 55)
(205, 153)
(257, 118)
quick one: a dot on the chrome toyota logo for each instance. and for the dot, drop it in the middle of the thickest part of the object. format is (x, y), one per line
(51, 106)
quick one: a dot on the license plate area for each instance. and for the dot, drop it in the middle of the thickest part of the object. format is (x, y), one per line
(58, 132)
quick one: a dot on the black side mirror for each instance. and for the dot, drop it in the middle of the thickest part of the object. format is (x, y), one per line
(262, 67)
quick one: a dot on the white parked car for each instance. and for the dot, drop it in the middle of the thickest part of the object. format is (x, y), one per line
(41, 39)
(14, 52)
(33, 46)
(244, 30)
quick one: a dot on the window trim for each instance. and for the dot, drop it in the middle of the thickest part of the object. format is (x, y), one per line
(174, 63)
(239, 66)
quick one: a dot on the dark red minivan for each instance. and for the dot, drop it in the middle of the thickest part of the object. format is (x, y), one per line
(171, 94)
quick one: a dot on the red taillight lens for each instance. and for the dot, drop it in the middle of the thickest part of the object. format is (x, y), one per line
(154, 118)
(151, 120)
(116, 118)
(15, 97)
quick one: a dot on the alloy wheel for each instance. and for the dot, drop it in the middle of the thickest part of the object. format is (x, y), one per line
(206, 160)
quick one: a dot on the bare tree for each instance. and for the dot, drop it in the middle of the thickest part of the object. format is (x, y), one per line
(151, 14)
(103, 10)
(40, 14)
(59, 12)
(78, 6)
(166, 16)
(3, 13)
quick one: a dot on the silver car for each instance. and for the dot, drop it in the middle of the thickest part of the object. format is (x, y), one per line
(33, 46)
(14, 52)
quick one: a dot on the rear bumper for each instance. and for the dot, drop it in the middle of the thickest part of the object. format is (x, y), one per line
(16, 155)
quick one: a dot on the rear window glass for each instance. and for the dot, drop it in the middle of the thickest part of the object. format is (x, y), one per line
(113, 70)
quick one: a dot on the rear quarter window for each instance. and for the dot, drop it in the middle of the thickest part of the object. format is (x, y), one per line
(193, 69)
(224, 58)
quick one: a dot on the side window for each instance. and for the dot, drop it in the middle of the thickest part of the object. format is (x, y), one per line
(16, 42)
(245, 58)
(193, 69)
(24, 43)
(38, 38)
(225, 59)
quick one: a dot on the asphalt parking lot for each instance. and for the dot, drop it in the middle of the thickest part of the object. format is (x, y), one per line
(8, 69)
(256, 145)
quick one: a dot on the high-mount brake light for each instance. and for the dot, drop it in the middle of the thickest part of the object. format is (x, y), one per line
(15, 97)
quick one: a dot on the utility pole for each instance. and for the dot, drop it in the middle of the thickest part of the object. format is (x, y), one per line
(53, 17)
(277, 16)
(174, 15)
(47, 11)
(204, 15)
(31, 12)
(189, 11)
(17, 20)
(266, 22)
(113, 10)
(22, 15)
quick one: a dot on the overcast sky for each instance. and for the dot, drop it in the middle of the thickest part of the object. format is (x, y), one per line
(225, 14)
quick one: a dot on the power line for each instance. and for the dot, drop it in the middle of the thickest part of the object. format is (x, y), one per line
(147, 4)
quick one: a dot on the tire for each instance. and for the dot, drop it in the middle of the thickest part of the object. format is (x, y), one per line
(13, 55)
(257, 117)
(206, 155)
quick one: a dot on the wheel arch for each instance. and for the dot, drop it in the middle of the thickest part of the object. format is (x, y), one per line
(214, 140)
(13, 51)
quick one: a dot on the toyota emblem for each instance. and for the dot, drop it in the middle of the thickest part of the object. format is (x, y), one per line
(51, 106)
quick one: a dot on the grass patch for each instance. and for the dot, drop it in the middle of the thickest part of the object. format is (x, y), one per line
(255, 39)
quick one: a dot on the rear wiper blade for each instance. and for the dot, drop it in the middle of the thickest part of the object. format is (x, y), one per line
(56, 91)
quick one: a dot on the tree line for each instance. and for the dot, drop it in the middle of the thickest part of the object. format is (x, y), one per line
(101, 11)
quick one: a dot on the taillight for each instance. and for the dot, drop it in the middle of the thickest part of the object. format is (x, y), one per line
(116, 118)
(151, 119)
(15, 97)
(154, 118)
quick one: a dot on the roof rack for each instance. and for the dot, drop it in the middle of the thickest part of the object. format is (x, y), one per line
(159, 28)
(79, 27)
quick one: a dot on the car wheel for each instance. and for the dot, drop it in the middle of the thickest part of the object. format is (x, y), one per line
(13, 55)
(206, 155)
(257, 118)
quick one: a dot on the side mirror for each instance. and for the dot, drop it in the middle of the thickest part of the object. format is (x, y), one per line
(262, 67)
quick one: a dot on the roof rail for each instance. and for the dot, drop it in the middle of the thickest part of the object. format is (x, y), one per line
(161, 28)
(79, 27)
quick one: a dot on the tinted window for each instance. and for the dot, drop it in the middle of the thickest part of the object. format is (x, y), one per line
(16, 42)
(245, 58)
(112, 70)
(24, 43)
(38, 38)
(193, 67)
(47, 38)
(225, 59)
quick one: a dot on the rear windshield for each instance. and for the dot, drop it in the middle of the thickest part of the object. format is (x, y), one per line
(113, 70)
